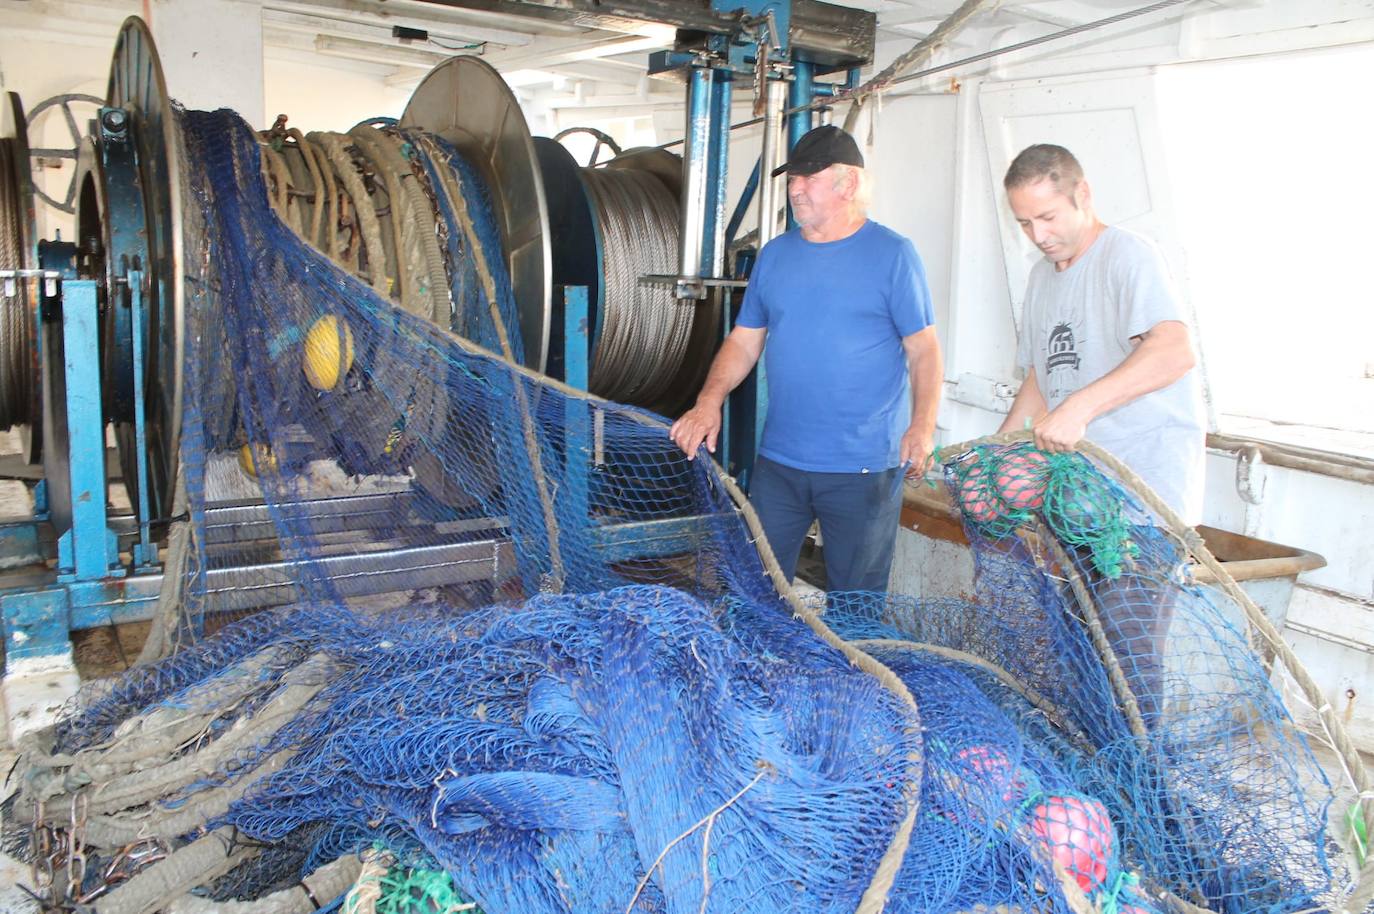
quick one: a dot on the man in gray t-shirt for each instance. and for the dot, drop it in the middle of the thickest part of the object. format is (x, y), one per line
(1104, 346)
(1107, 356)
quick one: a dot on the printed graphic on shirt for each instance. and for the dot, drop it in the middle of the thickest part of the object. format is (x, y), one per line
(1061, 364)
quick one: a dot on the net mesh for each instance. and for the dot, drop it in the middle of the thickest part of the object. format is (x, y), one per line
(521, 640)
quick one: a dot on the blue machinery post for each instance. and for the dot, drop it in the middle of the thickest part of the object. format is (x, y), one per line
(145, 550)
(37, 621)
(578, 456)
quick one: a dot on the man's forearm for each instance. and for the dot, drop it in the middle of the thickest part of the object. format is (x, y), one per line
(731, 366)
(1159, 360)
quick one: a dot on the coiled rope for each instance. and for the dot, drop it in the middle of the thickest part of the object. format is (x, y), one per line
(18, 364)
(361, 200)
(644, 330)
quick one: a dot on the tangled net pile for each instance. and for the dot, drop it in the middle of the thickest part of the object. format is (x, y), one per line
(613, 703)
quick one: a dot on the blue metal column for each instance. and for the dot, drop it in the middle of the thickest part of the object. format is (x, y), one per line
(88, 551)
(800, 92)
(574, 500)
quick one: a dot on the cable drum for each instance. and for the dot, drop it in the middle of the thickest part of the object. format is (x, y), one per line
(17, 381)
(644, 331)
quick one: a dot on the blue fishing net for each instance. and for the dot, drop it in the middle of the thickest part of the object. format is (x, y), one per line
(587, 693)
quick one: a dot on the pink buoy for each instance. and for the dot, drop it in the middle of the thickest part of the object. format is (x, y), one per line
(1021, 480)
(1076, 832)
(975, 496)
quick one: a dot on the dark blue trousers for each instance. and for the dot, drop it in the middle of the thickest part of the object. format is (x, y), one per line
(858, 514)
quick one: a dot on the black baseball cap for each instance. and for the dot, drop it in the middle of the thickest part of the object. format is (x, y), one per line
(819, 149)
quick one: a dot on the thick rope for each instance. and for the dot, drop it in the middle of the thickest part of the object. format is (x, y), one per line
(317, 196)
(195, 864)
(417, 252)
(162, 729)
(310, 894)
(119, 830)
(335, 149)
(139, 786)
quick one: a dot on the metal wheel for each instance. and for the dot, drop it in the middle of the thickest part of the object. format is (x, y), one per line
(140, 218)
(603, 141)
(64, 104)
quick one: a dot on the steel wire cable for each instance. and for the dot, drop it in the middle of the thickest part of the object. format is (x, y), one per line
(16, 323)
(644, 331)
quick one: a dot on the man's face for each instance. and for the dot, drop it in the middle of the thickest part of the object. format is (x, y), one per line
(1059, 224)
(815, 199)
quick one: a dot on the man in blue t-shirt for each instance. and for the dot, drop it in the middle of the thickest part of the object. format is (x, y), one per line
(853, 365)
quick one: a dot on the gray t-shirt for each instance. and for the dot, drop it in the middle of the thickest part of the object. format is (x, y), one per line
(1077, 326)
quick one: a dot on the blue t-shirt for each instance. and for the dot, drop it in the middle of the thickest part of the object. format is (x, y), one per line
(836, 312)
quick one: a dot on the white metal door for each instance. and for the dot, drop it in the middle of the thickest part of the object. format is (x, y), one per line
(1109, 122)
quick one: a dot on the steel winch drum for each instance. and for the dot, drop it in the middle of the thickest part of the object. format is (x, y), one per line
(555, 234)
(130, 216)
(21, 389)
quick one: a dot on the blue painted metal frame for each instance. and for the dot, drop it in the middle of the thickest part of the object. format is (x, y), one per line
(88, 587)
(577, 418)
(89, 551)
